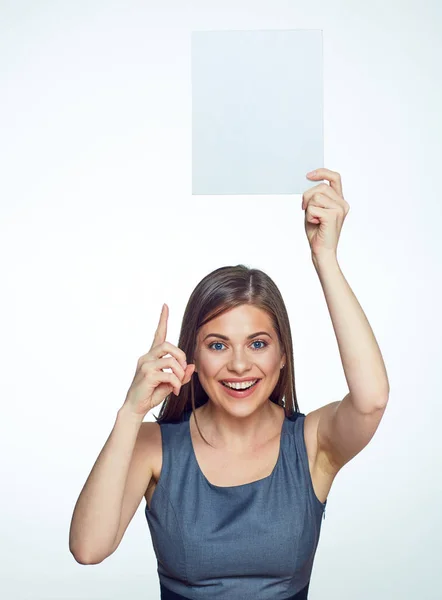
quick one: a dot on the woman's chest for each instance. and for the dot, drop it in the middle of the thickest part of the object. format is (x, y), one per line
(224, 469)
(228, 469)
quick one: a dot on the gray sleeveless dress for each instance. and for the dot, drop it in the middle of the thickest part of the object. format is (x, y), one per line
(255, 541)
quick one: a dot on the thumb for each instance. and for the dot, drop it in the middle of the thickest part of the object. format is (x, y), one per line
(190, 369)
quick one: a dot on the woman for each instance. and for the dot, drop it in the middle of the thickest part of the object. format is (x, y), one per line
(235, 478)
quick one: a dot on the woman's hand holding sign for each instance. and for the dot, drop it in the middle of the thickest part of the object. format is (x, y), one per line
(325, 212)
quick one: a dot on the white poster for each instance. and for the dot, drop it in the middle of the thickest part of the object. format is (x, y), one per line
(257, 110)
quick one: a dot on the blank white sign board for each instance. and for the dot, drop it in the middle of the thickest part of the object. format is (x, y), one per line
(257, 111)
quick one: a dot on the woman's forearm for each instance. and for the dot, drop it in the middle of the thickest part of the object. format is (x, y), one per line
(97, 513)
(361, 357)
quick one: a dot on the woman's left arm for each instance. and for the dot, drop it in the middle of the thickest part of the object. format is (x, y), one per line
(325, 212)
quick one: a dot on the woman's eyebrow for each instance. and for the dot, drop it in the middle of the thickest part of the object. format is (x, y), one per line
(249, 337)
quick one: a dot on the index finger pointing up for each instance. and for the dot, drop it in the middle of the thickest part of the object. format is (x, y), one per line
(161, 332)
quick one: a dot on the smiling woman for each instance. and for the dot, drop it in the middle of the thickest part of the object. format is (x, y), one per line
(244, 308)
(208, 493)
(209, 497)
(235, 478)
(242, 366)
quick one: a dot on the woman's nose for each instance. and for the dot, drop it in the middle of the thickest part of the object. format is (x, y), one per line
(240, 363)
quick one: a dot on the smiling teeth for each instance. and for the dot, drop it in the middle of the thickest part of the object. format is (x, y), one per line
(240, 386)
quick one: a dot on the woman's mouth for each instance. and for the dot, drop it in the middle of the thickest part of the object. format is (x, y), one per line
(240, 393)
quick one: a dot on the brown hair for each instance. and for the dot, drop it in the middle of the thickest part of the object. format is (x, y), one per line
(219, 291)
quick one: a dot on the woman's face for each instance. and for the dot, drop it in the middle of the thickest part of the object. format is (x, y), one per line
(239, 344)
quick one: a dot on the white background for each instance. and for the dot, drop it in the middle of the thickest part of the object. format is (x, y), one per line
(99, 228)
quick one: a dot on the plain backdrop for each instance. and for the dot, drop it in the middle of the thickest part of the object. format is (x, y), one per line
(99, 227)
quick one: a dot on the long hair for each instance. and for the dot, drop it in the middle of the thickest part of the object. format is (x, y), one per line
(219, 291)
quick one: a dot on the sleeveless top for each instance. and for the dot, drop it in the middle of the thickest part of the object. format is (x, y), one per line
(255, 541)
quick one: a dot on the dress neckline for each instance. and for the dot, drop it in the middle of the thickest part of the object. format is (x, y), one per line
(241, 485)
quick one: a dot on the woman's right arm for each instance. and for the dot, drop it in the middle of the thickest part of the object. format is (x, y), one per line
(120, 476)
(122, 471)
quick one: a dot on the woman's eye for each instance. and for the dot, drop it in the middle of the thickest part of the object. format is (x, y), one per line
(260, 342)
(216, 344)
(255, 342)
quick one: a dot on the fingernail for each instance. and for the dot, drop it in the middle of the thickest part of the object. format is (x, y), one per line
(312, 173)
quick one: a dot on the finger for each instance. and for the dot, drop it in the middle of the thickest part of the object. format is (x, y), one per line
(321, 201)
(161, 332)
(332, 176)
(172, 379)
(187, 377)
(315, 214)
(171, 363)
(190, 370)
(325, 190)
(168, 348)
